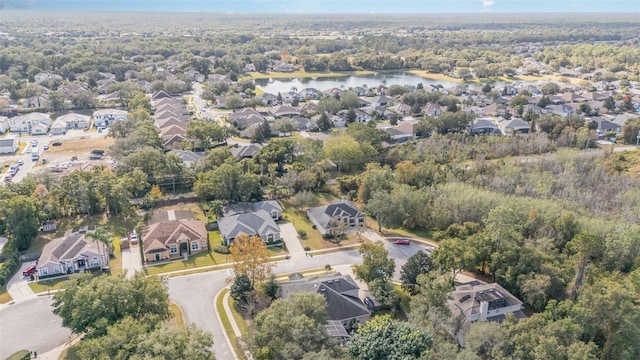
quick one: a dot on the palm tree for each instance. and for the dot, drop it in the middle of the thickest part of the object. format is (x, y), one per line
(101, 235)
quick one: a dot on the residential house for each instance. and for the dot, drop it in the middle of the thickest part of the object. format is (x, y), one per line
(71, 89)
(304, 124)
(174, 239)
(360, 91)
(39, 129)
(75, 121)
(59, 127)
(8, 146)
(4, 124)
(605, 125)
(49, 225)
(246, 117)
(254, 223)
(25, 123)
(398, 135)
(326, 218)
(381, 100)
(433, 110)
(268, 98)
(478, 301)
(562, 110)
(105, 117)
(189, 158)
(285, 110)
(245, 152)
(403, 110)
(74, 252)
(484, 126)
(345, 300)
(514, 126)
(310, 93)
(144, 85)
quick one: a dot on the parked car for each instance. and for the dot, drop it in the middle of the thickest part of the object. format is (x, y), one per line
(46, 147)
(21, 162)
(28, 150)
(402, 242)
(30, 270)
(8, 177)
(57, 143)
(34, 143)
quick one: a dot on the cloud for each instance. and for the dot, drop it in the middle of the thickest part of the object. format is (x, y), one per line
(487, 3)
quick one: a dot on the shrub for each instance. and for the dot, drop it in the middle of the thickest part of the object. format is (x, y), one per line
(221, 249)
(307, 248)
(327, 267)
(302, 233)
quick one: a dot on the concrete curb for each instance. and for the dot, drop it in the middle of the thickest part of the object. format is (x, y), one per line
(231, 320)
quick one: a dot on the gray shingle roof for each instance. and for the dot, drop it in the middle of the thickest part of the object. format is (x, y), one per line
(250, 223)
(339, 208)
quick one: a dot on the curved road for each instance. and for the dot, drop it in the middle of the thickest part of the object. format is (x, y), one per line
(195, 293)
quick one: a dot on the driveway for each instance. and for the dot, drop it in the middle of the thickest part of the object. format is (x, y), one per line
(131, 261)
(30, 325)
(290, 237)
(18, 286)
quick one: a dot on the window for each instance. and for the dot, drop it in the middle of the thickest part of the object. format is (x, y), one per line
(69, 265)
(44, 271)
(57, 269)
(195, 245)
(173, 249)
(95, 262)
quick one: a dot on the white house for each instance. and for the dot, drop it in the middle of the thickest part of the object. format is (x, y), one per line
(39, 129)
(59, 127)
(8, 146)
(4, 124)
(75, 121)
(104, 117)
(25, 123)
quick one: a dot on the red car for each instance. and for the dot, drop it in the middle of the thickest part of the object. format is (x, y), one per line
(30, 270)
(402, 242)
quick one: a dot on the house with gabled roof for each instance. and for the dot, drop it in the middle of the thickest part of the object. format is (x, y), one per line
(326, 218)
(514, 126)
(253, 223)
(105, 117)
(26, 122)
(8, 145)
(73, 252)
(174, 239)
(345, 299)
(75, 120)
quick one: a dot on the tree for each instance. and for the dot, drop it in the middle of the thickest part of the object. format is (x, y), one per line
(485, 339)
(240, 288)
(324, 123)
(376, 263)
(417, 264)
(631, 130)
(452, 255)
(55, 101)
(131, 339)
(385, 209)
(351, 116)
(21, 217)
(519, 100)
(300, 324)
(250, 258)
(609, 103)
(384, 292)
(154, 194)
(550, 88)
(384, 338)
(346, 152)
(90, 304)
(228, 182)
(101, 235)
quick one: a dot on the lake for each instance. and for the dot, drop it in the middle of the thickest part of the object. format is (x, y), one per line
(275, 86)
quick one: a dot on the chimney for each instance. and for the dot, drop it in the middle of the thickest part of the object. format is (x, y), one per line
(484, 310)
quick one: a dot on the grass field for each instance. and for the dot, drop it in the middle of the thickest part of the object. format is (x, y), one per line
(304, 74)
(4, 295)
(226, 324)
(47, 285)
(18, 355)
(405, 300)
(177, 318)
(432, 76)
(73, 147)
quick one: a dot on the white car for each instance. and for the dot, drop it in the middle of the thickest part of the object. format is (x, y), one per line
(28, 150)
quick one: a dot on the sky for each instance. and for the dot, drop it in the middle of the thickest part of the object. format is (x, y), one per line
(335, 6)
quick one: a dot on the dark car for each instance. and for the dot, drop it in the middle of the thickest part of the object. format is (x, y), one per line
(57, 143)
(30, 270)
(402, 242)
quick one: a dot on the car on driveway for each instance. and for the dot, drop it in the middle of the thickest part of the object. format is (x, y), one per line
(30, 270)
(402, 242)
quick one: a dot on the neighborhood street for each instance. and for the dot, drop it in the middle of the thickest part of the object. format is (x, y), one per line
(30, 325)
(195, 293)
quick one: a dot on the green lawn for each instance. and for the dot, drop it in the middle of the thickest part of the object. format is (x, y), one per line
(405, 300)
(202, 259)
(46, 285)
(226, 324)
(22, 354)
(177, 318)
(4, 295)
(69, 354)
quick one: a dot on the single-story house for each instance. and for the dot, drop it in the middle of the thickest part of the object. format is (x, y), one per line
(256, 223)
(174, 239)
(345, 299)
(74, 252)
(245, 152)
(59, 127)
(272, 207)
(39, 129)
(484, 126)
(104, 117)
(514, 126)
(325, 218)
(8, 146)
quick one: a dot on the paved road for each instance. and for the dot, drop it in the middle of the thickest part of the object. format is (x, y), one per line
(30, 325)
(18, 286)
(195, 293)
